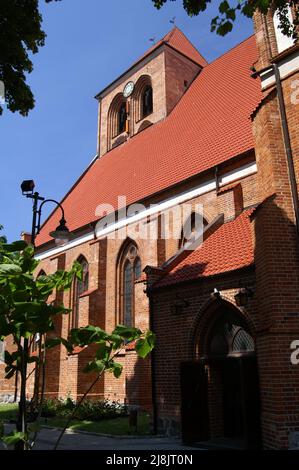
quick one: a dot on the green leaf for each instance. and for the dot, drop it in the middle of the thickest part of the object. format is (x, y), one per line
(116, 341)
(95, 366)
(103, 351)
(18, 245)
(32, 359)
(127, 332)
(224, 6)
(117, 369)
(52, 342)
(144, 346)
(87, 335)
(34, 427)
(13, 438)
(67, 344)
(9, 269)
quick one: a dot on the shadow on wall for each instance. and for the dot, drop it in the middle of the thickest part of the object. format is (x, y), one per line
(138, 382)
(277, 297)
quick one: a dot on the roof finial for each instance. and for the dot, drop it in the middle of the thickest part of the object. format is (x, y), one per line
(153, 39)
(172, 21)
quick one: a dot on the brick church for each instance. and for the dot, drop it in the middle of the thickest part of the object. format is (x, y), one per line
(221, 138)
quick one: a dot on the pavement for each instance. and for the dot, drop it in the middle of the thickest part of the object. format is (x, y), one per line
(75, 440)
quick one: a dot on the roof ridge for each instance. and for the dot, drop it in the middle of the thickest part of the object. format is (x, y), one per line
(77, 181)
(170, 34)
(231, 49)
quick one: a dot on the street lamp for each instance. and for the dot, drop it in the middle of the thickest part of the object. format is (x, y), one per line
(61, 234)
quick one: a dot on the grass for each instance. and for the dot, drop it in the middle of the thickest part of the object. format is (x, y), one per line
(117, 426)
(8, 411)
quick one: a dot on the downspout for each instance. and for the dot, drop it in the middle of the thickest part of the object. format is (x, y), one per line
(287, 144)
(153, 367)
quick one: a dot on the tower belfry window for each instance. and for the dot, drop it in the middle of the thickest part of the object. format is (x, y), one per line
(147, 101)
(122, 117)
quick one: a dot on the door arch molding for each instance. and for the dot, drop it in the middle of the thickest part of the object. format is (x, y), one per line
(207, 317)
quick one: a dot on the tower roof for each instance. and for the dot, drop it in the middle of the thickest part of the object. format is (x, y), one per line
(178, 41)
(174, 39)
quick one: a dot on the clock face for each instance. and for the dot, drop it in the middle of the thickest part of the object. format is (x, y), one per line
(128, 90)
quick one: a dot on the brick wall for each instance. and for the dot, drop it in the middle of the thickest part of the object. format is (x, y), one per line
(170, 74)
(179, 338)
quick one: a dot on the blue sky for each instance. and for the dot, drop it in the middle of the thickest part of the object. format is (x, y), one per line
(89, 43)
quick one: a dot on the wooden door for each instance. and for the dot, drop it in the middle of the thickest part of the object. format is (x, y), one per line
(194, 402)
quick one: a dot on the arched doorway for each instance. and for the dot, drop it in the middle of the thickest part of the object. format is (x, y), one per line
(220, 390)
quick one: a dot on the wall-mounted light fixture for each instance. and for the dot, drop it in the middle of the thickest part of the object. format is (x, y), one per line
(242, 296)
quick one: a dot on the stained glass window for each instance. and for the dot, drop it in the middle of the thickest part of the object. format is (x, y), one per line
(131, 271)
(229, 337)
(80, 286)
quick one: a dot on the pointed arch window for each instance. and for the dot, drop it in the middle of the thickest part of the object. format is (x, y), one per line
(130, 272)
(230, 337)
(79, 287)
(122, 118)
(193, 228)
(147, 101)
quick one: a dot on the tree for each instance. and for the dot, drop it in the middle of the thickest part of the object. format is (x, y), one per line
(20, 34)
(25, 312)
(223, 23)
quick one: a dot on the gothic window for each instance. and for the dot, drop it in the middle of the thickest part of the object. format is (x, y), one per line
(79, 287)
(143, 98)
(122, 118)
(116, 121)
(147, 101)
(193, 228)
(229, 337)
(130, 272)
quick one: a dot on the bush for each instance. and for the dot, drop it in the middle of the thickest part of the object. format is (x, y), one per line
(100, 409)
(51, 407)
(89, 410)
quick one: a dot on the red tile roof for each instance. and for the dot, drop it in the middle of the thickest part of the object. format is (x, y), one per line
(228, 249)
(176, 39)
(210, 124)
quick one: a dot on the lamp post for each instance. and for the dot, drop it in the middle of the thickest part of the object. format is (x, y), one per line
(61, 234)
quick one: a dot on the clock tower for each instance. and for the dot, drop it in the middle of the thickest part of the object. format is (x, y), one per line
(148, 91)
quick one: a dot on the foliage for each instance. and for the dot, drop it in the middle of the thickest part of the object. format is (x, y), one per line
(100, 409)
(20, 36)
(223, 23)
(116, 425)
(92, 410)
(51, 407)
(25, 311)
